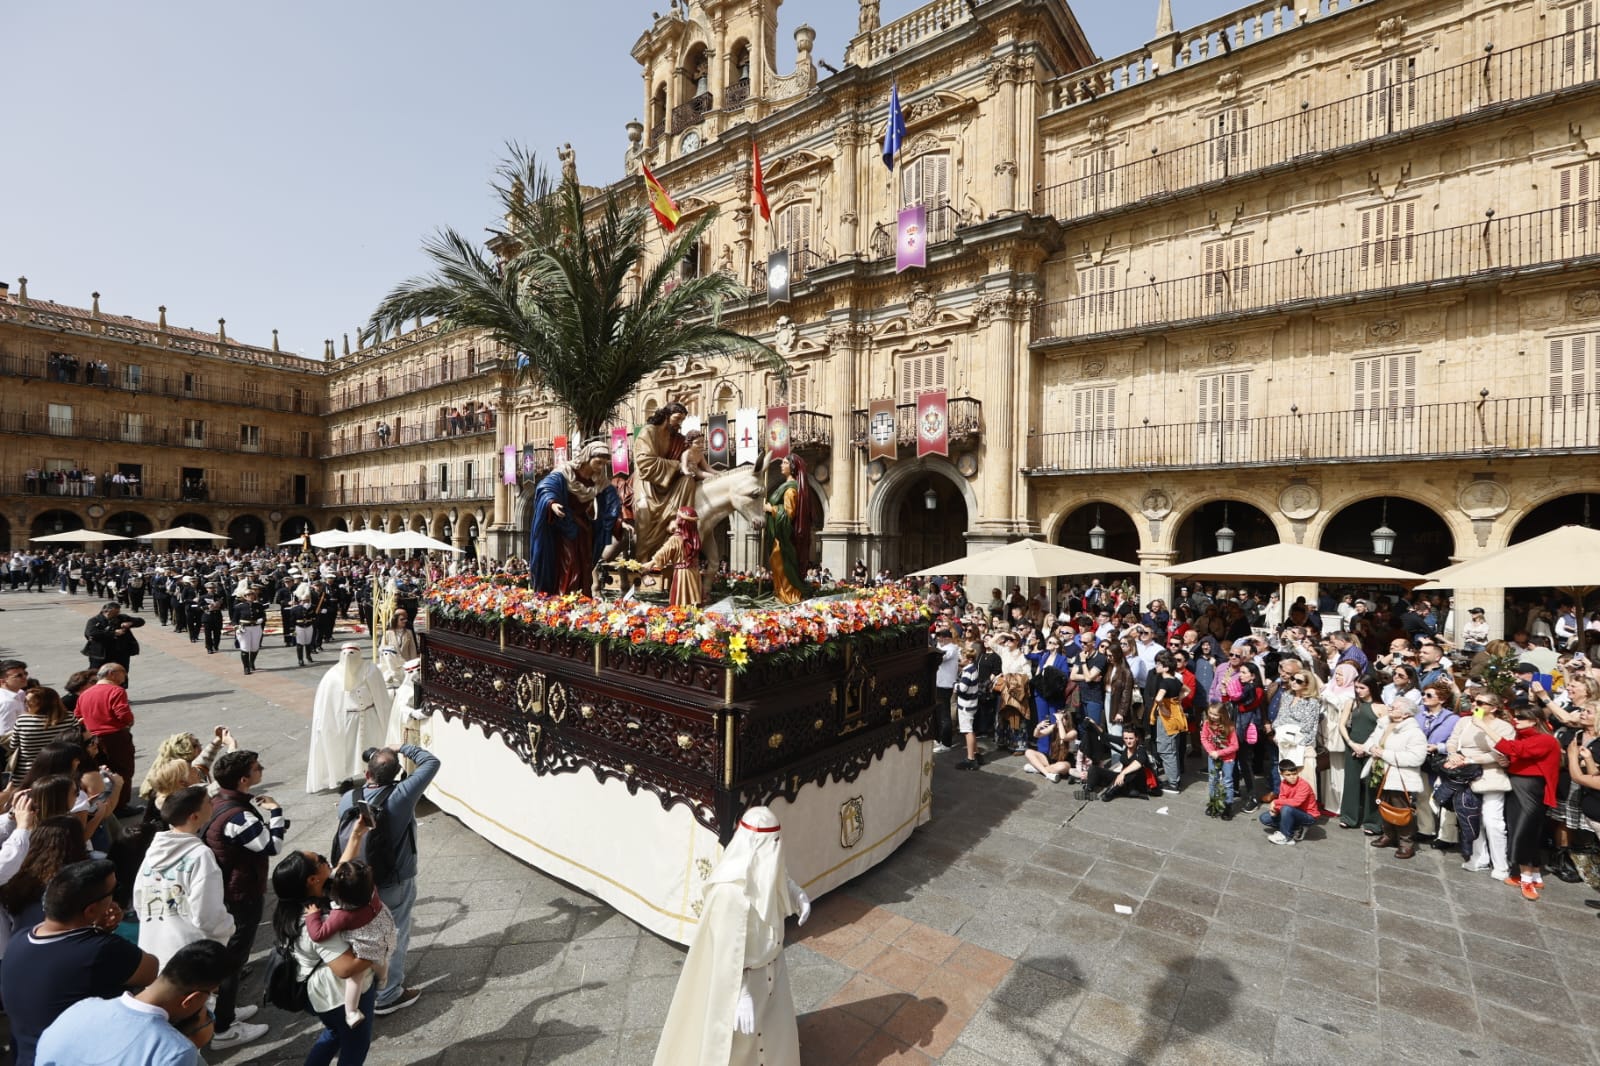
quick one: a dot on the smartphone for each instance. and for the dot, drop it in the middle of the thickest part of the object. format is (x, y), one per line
(367, 811)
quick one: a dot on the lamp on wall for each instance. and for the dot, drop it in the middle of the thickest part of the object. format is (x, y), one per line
(1383, 537)
(127, 525)
(930, 499)
(58, 526)
(1097, 534)
(1224, 534)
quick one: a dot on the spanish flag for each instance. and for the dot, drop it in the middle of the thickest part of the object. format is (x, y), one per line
(761, 184)
(667, 212)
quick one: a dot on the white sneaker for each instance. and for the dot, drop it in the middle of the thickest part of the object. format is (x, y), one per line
(1277, 838)
(1474, 868)
(245, 1013)
(1052, 778)
(1030, 769)
(1169, 791)
(940, 749)
(240, 1033)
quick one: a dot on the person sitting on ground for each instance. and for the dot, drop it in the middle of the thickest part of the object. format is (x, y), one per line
(1056, 759)
(361, 918)
(1294, 809)
(167, 1024)
(1136, 777)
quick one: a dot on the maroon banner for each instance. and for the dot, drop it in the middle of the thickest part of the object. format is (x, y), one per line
(881, 436)
(777, 432)
(933, 424)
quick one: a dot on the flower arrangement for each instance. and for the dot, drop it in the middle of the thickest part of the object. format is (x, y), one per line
(805, 630)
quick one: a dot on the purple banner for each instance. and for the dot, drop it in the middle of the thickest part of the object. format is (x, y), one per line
(911, 242)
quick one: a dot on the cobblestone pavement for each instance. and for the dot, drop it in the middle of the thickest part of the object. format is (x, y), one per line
(1018, 927)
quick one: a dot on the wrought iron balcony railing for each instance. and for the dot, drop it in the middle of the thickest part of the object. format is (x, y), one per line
(965, 416)
(368, 439)
(690, 112)
(1528, 425)
(942, 223)
(478, 488)
(38, 422)
(146, 492)
(1559, 236)
(122, 378)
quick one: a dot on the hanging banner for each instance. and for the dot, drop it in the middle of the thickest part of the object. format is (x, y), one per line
(933, 424)
(560, 446)
(777, 278)
(530, 463)
(619, 451)
(508, 469)
(881, 438)
(717, 441)
(777, 432)
(746, 436)
(911, 242)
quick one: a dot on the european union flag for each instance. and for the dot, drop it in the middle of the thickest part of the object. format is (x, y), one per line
(896, 133)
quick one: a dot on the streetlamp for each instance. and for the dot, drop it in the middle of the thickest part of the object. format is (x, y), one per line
(1383, 537)
(1224, 534)
(1097, 534)
(930, 499)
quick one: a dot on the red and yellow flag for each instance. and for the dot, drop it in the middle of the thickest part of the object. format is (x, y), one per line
(761, 185)
(667, 212)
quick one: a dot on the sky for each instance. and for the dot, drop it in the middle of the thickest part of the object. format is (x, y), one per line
(278, 165)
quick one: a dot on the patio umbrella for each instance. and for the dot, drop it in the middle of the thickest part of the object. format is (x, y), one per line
(76, 536)
(410, 538)
(328, 538)
(1565, 558)
(182, 533)
(1030, 558)
(1283, 563)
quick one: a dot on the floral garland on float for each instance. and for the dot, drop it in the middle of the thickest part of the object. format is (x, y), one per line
(810, 629)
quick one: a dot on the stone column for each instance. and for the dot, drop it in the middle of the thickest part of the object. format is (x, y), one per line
(847, 141)
(1005, 72)
(1152, 585)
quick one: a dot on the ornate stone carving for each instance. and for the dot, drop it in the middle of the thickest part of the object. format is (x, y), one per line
(1009, 304)
(1586, 302)
(1098, 127)
(1156, 505)
(1222, 351)
(1299, 502)
(1391, 30)
(1228, 83)
(1483, 500)
(920, 308)
(786, 335)
(1005, 166)
(1384, 329)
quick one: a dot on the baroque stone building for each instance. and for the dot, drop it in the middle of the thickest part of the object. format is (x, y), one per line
(1294, 274)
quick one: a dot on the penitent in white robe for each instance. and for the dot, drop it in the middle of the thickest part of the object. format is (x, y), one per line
(351, 715)
(405, 701)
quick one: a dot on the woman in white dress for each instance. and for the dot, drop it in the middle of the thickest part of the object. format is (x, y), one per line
(1338, 694)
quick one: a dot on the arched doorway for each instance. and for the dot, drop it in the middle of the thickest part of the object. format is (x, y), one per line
(929, 527)
(1121, 536)
(1423, 542)
(129, 524)
(54, 522)
(1197, 536)
(340, 524)
(1578, 509)
(247, 531)
(193, 521)
(5, 533)
(293, 528)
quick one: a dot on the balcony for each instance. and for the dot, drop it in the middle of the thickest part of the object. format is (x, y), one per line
(690, 113)
(143, 492)
(366, 441)
(1495, 249)
(1480, 429)
(965, 416)
(1528, 75)
(942, 223)
(36, 422)
(737, 94)
(926, 22)
(396, 386)
(292, 402)
(478, 488)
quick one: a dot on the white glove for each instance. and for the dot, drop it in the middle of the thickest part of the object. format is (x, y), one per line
(744, 1013)
(802, 902)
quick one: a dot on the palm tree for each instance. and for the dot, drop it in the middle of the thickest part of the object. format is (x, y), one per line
(570, 292)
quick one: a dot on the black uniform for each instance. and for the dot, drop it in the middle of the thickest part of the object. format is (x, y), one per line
(209, 617)
(162, 597)
(248, 613)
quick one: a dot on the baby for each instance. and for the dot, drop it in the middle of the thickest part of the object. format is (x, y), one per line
(364, 921)
(693, 461)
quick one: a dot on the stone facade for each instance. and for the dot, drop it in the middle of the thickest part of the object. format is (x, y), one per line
(1299, 273)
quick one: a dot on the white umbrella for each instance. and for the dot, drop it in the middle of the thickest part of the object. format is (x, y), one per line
(76, 536)
(328, 538)
(410, 538)
(1030, 558)
(1565, 558)
(1281, 563)
(182, 533)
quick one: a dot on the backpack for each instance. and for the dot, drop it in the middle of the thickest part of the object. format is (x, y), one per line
(378, 850)
(283, 987)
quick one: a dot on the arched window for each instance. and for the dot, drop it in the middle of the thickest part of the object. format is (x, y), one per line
(658, 113)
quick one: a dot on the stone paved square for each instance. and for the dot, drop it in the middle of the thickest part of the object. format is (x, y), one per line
(994, 936)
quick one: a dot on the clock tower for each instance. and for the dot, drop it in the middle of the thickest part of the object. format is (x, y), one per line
(709, 65)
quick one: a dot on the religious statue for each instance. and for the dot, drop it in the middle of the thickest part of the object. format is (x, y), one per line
(569, 163)
(575, 512)
(786, 539)
(681, 556)
(869, 20)
(660, 485)
(733, 1004)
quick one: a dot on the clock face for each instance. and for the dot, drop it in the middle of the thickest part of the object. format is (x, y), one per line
(691, 140)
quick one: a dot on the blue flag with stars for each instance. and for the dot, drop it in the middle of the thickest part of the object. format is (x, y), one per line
(896, 133)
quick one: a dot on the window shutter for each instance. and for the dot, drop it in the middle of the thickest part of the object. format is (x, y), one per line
(1080, 410)
(1208, 412)
(1577, 370)
(1558, 373)
(1241, 264)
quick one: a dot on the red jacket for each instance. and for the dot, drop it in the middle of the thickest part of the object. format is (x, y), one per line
(1531, 753)
(103, 708)
(1301, 795)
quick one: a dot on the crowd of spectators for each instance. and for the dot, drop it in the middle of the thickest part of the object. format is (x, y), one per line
(65, 368)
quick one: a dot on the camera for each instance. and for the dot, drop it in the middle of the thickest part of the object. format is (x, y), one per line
(367, 755)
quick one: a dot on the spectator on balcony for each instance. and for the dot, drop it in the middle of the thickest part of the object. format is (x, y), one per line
(383, 433)
(30, 481)
(456, 422)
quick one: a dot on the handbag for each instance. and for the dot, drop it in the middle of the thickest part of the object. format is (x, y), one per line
(1395, 815)
(1172, 717)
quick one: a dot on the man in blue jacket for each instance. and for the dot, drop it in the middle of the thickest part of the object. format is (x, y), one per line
(398, 888)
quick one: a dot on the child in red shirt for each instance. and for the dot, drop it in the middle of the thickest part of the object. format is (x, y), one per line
(1294, 810)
